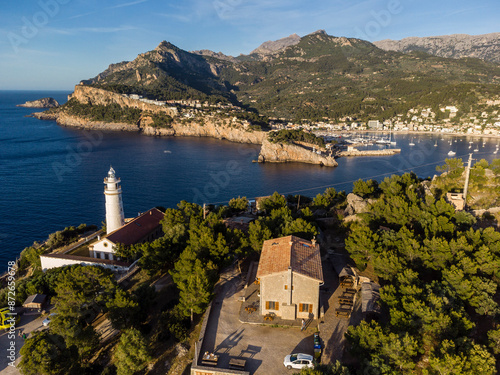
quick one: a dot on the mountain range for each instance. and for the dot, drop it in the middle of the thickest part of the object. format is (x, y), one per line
(485, 47)
(313, 77)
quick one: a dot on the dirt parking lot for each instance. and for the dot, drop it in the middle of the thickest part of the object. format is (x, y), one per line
(264, 347)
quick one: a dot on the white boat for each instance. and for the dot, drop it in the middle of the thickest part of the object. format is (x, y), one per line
(476, 149)
(387, 141)
(451, 153)
(435, 144)
(411, 142)
(495, 151)
(470, 146)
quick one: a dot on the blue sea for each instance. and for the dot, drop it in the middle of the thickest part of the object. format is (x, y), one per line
(52, 176)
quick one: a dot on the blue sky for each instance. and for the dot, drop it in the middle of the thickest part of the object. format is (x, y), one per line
(53, 44)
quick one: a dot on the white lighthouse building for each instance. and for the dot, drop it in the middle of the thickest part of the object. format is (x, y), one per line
(114, 206)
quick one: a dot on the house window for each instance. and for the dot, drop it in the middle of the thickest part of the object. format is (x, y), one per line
(97, 254)
(306, 307)
(272, 305)
(105, 244)
(105, 255)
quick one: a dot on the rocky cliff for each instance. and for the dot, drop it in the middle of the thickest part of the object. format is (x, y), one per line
(208, 126)
(281, 153)
(64, 119)
(97, 96)
(41, 103)
(485, 47)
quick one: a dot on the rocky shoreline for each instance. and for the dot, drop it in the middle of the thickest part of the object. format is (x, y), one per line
(270, 152)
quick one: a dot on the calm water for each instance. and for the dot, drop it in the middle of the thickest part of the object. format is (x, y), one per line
(52, 177)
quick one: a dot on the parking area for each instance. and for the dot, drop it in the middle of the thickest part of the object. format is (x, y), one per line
(29, 323)
(263, 346)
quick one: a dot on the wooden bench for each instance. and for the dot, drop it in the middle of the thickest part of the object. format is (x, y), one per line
(344, 301)
(347, 296)
(343, 312)
(209, 359)
(237, 364)
(347, 282)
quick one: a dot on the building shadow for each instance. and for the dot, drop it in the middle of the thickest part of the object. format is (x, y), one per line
(331, 284)
(306, 346)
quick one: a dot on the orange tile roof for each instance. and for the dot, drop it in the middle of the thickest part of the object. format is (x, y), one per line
(279, 254)
(137, 229)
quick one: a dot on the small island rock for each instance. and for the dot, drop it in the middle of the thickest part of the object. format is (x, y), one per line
(41, 103)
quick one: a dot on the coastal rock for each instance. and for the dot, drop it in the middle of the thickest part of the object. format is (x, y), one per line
(40, 103)
(282, 153)
(64, 119)
(356, 204)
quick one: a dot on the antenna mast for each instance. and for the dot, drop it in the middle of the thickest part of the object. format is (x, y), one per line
(467, 174)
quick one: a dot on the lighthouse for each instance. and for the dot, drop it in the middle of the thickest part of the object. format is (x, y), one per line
(114, 206)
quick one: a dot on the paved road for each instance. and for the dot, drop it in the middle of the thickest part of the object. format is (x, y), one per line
(27, 324)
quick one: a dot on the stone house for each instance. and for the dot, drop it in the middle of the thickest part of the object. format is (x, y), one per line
(290, 275)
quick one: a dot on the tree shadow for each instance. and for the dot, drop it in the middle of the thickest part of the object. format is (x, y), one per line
(229, 342)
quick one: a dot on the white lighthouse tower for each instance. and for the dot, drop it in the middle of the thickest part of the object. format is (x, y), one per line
(114, 206)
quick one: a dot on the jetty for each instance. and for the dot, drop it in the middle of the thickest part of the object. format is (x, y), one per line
(355, 152)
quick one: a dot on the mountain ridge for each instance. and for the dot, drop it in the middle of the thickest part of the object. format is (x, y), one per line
(485, 46)
(320, 76)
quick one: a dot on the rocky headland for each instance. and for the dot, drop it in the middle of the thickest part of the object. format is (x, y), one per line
(282, 153)
(208, 125)
(40, 103)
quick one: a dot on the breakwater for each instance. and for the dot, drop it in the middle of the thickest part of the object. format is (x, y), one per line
(386, 152)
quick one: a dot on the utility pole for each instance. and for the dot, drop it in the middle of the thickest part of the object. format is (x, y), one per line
(298, 204)
(467, 174)
(204, 212)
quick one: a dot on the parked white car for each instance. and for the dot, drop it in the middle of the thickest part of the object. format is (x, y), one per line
(46, 321)
(298, 361)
